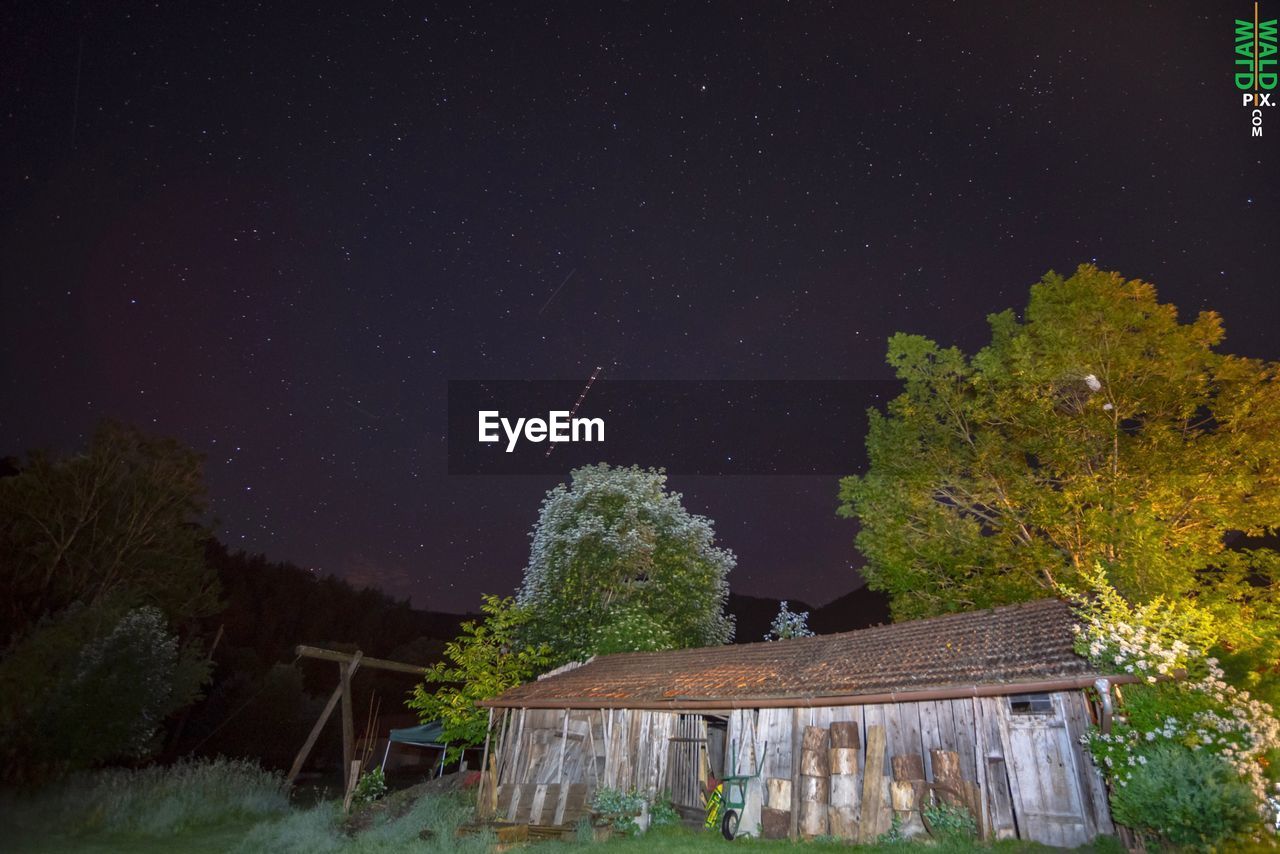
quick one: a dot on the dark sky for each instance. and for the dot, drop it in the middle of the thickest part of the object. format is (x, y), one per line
(277, 231)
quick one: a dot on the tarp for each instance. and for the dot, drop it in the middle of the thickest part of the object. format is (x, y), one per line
(426, 735)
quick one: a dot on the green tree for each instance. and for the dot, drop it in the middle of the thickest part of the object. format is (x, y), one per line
(92, 684)
(789, 624)
(101, 562)
(618, 564)
(1098, 429)
(485, 660)
(121, 519)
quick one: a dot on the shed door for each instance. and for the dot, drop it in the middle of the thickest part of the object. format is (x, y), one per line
(687, 763)
(1047, 801)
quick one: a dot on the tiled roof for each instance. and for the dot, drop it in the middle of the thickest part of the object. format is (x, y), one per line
(1013, 644)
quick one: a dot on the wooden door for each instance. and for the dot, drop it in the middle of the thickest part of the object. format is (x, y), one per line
(687, 764)
(1047, 802)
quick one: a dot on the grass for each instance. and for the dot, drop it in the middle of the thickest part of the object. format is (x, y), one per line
(215, 801)
(235, 807)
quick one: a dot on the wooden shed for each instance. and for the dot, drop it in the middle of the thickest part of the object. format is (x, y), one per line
(983, 710)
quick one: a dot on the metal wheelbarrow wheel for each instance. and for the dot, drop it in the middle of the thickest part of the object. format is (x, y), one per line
(729, 824)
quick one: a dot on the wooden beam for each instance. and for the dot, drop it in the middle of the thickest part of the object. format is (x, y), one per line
(307, 745)
(347, 657)
(348, 725)
(482, 793)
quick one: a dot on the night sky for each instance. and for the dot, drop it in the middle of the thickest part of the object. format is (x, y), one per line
(276, 232)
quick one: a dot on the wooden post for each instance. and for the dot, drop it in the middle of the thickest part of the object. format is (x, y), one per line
(348, 724)
(307, 745)
(872, 786)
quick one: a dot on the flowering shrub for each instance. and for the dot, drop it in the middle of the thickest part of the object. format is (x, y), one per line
(1198, 712)
(1191, 798)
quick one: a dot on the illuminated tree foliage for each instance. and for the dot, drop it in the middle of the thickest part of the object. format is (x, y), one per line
(617, 564)
(486, 659)
(1096, 429)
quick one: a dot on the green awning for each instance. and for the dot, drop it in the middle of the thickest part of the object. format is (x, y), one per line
(425, 735)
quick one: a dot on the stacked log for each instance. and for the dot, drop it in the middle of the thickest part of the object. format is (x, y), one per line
(946, 774)
(846, 797)
(815, 782)
(952, 788)
(906, 793)
(775, 816)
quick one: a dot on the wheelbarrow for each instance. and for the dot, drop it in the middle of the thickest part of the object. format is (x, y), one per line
(726, 808)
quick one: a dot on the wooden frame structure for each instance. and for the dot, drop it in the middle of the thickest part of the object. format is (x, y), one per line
(347, 663)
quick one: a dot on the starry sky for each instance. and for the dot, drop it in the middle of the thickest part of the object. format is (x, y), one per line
(278, 232)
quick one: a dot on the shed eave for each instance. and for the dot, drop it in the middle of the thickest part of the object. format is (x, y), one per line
(720, 704)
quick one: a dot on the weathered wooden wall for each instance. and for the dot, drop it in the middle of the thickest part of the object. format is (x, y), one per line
(1027, 775)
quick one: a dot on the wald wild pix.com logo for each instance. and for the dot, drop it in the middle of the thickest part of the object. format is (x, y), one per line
(1255, 67)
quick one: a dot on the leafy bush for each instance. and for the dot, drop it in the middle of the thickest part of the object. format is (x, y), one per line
(485, 660)
(1188, 797)
(618, 809)
(371, 786)
(663, 813)
(1199, 714)
(950, 823)
(92, 684)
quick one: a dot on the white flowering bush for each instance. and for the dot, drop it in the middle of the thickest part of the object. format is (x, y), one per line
(1182, 699)
(618, 564)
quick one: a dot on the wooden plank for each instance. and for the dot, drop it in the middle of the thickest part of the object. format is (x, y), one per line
(797, 730)
(930, 735)
(872, 785)
(749, 764)
(350, 658)
(962, 712)
(996, 783)
(523, 804)
(348, 725)
(550, 805)
(980, 799)
(775, 729)
(301, 758)
(574, 799)
(504, 799)
(873, 715)
(1098, 813)
(538, 804)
